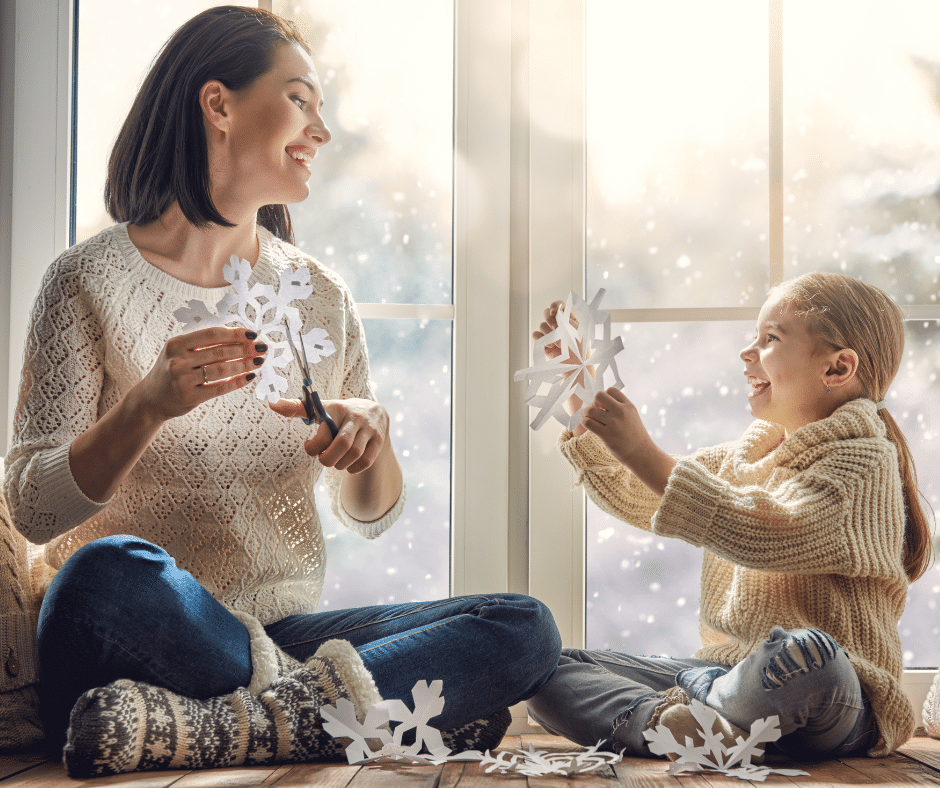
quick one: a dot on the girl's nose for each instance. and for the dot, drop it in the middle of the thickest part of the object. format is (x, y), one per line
(747, 352)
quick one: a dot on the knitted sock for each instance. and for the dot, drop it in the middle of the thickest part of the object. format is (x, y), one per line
(483, 734)
(131, 726)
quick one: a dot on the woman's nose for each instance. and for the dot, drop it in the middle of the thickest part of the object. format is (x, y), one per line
(319, 132)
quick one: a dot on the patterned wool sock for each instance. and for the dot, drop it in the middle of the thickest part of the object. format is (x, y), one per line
(483, 734)
(131, 726)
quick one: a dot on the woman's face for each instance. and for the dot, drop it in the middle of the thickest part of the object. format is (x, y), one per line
(275, 131)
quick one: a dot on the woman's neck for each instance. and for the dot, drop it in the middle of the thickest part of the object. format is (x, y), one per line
(193, 255)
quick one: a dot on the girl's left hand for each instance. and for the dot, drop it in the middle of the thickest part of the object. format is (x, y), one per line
(363, 431)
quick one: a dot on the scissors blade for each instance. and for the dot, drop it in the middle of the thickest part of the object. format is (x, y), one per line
(302, 364)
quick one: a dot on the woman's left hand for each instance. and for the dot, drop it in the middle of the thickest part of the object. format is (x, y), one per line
(362, 432)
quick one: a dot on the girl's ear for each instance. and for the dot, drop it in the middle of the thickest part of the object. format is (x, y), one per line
(213, 99)
(843, 365)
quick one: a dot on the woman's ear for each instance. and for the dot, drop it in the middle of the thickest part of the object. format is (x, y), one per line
(213, 99)
(843, 366)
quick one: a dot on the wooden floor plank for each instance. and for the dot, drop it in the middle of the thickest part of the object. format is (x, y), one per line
(14, 764)
(396, 776)
(893, 770)
(923, 749)
(644, 773)
(321, 775)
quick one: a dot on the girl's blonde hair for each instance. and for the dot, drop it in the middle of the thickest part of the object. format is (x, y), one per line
(845, 313)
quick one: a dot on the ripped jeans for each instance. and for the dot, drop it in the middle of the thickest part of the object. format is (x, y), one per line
(803, 676)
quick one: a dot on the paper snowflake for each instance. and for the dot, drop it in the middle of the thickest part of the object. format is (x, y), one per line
(712, 754)
(372, 740)
(568, 375)
(538, 763)
(267, 312)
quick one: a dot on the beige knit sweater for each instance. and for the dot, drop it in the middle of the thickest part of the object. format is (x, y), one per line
(802, 532)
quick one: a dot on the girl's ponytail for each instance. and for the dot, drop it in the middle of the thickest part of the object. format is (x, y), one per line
(917, 539)
(846, 313)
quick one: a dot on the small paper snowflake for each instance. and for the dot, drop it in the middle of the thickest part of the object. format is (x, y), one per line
(428, 703)
(269, 314)
(539, 763)
(567, 374)
(713, 754)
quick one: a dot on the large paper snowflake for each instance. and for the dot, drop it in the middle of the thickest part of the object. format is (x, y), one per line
(267, 312)
(567, 374)
(712, 754)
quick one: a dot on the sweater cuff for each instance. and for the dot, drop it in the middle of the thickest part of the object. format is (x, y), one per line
(688, 506)
(65, 498)
(372, 529)
(587, 452)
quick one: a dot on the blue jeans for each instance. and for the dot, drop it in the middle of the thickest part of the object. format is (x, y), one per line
(121, 608)
(803, 676)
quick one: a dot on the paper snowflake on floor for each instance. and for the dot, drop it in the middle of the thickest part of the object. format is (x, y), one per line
(268, 313)
(567, 374)
(376, 740)
(713, 755)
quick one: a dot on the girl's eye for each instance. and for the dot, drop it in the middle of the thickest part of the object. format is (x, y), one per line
(772, 338)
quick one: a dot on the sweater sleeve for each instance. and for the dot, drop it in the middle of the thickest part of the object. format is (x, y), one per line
(809, 524)
(61, 382)
(357, 384)
(608, 483)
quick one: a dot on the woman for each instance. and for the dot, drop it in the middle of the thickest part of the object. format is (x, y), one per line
(177, 508)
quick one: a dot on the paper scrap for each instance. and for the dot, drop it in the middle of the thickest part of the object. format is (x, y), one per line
(567, 375)
(269, 313)
(712, 754)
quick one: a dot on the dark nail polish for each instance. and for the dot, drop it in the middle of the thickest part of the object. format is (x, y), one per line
(261, 347)
(257, 361)
(251, 335)
(250, 376)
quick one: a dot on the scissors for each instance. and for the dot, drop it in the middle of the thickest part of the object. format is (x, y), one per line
(312, 405)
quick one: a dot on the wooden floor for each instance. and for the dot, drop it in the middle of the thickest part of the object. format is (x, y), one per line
(916, 763)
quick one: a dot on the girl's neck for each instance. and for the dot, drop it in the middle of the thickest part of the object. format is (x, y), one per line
(193, 255)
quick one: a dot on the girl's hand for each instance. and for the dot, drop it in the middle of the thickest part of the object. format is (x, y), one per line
(196, 367)
(616, 421)
(553, 349)
(362, 432)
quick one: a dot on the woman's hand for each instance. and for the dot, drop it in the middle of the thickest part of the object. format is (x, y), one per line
(553, 350)
(362, 426)
(616, 421)
(361, 447)
(196, 367)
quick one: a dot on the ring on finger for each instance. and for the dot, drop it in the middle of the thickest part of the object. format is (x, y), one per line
(205, 377)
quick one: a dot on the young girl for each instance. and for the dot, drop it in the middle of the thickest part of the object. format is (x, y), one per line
(811, 529)
(177, 509)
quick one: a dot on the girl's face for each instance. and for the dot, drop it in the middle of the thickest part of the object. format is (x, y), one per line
(275, 131)
(785, 371)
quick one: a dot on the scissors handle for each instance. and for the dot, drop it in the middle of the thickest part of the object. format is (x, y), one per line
(316, 412)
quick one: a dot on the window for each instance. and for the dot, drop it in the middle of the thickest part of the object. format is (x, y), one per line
(645, 166)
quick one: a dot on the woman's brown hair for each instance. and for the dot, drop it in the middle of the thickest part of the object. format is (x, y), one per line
(845, 313)
(160, 155)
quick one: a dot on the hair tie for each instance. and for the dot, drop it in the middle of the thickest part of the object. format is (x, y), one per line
(881, 405)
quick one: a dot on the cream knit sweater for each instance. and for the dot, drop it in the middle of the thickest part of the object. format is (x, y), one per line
(802, 532)
(226, 489)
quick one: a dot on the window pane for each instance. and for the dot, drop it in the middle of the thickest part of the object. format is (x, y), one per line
(642, 589)
(914, 401)
(410, 361)
(381, 192)
(861, 158)
(677, 157)
(117, 42)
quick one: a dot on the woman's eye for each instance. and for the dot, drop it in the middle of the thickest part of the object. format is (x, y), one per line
(300, 102)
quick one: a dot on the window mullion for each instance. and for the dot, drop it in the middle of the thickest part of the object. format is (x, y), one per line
(556, 265)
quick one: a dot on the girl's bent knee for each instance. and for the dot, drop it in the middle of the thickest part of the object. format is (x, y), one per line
(802, 652)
